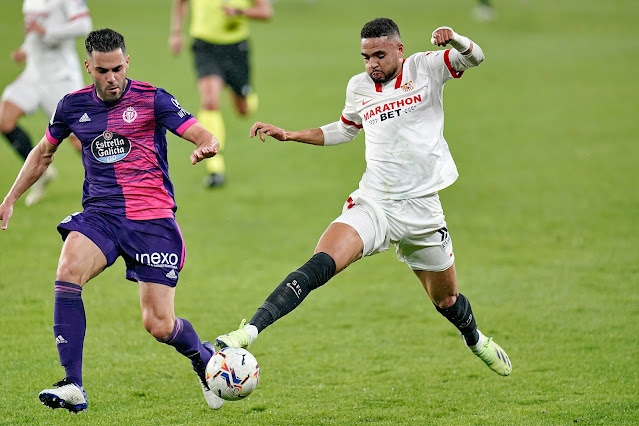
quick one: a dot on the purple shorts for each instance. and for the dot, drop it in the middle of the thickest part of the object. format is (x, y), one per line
(153, 249)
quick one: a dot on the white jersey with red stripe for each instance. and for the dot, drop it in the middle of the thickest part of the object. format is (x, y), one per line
(403, 119)
(51, 56)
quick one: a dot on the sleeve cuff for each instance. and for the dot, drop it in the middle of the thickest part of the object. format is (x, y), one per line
(50, 138)
(188, 123)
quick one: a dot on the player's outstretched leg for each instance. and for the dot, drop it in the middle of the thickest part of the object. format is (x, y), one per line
(213, 121)
(493, 355)
(66, 395)
(38, 189)
(286, 297)
(460, 314)
(69, 325)
(243, 337)
(20, 141)
(186, 341)
(213, 401)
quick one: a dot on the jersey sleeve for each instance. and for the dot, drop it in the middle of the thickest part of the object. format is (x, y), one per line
(57, 130)
(170, 114)
(350, 117)
(75, 9)
(438, 64)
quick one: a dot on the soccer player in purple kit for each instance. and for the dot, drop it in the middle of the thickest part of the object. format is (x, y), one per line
(129, 208)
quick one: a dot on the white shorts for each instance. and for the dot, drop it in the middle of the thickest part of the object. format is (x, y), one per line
(415, 226)
(30, 93)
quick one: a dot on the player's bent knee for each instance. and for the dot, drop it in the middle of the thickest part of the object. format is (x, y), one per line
(8, 118)
(6, 126)
(445, 302)
(157, 327)
(71, 272)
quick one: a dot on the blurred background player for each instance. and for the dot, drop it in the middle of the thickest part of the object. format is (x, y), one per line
(399, 104)
(220, 31)
(129, 208)
(52, 70)
(484, 11)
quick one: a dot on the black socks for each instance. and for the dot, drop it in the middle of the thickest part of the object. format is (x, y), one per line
(461, 316)
(292, 291)
(20, 141)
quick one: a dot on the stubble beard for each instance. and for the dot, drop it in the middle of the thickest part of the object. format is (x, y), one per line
(385, 78)
(108, 97)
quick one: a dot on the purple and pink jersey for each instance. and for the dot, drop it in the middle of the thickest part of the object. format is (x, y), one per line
(124, 148)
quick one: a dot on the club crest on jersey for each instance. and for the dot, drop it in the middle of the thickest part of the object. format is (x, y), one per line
(129, 115)
(407, 87)
(110, 147)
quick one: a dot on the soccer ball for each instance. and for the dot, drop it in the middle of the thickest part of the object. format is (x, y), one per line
(232, 373)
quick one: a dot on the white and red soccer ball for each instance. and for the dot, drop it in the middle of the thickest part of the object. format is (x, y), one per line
(232, 373)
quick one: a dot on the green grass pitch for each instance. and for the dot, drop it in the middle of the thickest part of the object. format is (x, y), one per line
(543, 218)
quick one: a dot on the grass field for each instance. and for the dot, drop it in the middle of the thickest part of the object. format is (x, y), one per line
(543, 218)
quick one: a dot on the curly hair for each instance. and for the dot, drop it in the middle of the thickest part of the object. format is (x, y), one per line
(380, 27)
(104, 40)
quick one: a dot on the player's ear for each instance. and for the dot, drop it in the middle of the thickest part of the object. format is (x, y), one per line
(86, 66)
(400, 49)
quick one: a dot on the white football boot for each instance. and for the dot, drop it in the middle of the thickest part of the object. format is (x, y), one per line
(214, 401)
(66, 395)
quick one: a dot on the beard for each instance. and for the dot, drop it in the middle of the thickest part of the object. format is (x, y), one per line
(385, 76)
(107, 96)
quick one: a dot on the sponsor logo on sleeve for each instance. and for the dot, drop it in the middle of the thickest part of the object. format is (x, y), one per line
(110, 147)
(181, 111)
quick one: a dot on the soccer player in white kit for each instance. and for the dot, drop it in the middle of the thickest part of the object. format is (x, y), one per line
(398, 103)
(52, 70)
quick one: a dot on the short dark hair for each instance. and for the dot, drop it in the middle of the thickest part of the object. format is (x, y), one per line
(380, 27)
(104, 40)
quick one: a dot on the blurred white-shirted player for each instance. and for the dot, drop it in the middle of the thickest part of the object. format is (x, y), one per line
(52, 69)
(399, 103)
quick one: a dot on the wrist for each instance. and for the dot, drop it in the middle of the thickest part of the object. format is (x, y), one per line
(460, 43)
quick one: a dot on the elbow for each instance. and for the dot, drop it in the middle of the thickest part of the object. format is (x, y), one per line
(477, 55)
(476, 61)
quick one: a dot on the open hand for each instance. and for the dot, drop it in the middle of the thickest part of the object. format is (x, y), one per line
(263, 129)
(6, 211)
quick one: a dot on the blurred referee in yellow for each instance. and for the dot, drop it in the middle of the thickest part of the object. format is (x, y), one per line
(220, 32)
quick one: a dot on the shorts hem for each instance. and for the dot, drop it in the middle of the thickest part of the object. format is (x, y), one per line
(430, 268)
(136, 278)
